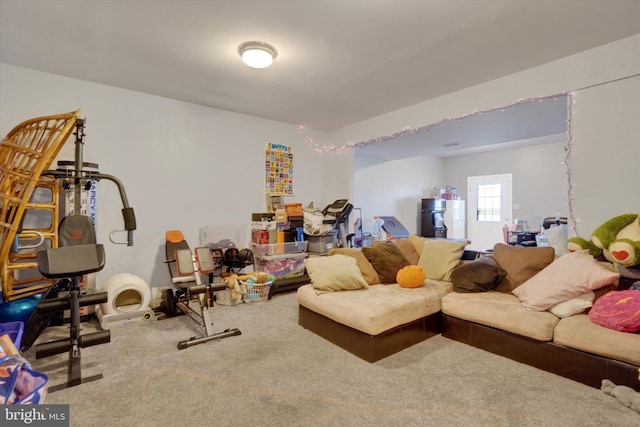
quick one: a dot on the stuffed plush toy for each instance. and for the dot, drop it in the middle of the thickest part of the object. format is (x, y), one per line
(618, 239)
(625, 395)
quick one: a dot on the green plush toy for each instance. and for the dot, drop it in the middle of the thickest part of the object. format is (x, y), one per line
(618, 239)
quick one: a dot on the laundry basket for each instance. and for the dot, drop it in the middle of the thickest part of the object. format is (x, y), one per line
(225, 297)
(256, 292)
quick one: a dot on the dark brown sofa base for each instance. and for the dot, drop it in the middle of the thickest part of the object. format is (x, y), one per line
(579, 366)
(370, 347)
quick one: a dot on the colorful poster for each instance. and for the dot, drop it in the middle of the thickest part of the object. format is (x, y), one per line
(278, 170)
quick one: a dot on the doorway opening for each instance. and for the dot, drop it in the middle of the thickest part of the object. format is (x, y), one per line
(489, 209)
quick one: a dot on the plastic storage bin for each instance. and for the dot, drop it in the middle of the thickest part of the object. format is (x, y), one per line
(278, 248)
(280, 266)
(14, 330)
(322, 244)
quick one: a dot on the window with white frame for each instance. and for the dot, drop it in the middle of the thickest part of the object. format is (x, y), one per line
(488, 203)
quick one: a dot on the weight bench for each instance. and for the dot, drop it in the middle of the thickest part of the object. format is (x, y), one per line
(72, 262)
(186, 269)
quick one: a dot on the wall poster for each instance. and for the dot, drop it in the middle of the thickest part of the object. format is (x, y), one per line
(278, 170)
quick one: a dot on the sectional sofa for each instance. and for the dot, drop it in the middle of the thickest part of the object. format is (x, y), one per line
(493, 303)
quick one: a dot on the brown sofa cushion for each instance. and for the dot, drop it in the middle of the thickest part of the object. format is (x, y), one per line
(520, 263)
(479, 275)
(387, 259)
(368, 272)
(406, 247)
(408, 250)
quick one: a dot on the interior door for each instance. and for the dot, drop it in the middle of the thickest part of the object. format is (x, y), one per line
(489, 209)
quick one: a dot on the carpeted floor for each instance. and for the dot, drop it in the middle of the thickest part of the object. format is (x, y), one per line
(279, 374)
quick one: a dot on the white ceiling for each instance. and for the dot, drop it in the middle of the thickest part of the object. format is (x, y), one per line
(339, 62)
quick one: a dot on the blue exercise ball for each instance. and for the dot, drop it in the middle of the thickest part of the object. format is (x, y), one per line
(18, 310)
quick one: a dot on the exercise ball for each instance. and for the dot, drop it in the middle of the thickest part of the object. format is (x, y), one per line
(126, 293)
(18, 310)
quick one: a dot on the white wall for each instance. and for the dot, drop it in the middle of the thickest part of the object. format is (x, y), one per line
(605, 161)
(184, 166)
(394, 188)
(538, 176)
(604, 127)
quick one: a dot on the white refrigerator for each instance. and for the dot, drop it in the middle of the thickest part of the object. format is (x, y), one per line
(454, 219)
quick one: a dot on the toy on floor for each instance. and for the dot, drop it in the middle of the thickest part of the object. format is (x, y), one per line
(625, 395)
(618, 239)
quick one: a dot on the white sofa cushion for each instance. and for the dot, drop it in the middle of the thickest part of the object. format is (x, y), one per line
(502, 311)
(377, 309)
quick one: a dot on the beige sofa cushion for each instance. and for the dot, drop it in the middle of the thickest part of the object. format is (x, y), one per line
(580, 333)
(439, 257)
(502, 311)
(368, 272)
(334, 273)
(377, 309)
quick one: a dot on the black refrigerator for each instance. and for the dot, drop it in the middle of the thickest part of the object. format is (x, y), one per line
(432, 218)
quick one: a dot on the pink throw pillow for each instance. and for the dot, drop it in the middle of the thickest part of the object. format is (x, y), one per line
(568, 276)
(618, 310)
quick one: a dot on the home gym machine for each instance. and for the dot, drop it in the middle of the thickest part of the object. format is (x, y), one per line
(77, 254)
(185, 269)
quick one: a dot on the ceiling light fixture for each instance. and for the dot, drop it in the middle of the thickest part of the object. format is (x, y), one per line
(257, 54)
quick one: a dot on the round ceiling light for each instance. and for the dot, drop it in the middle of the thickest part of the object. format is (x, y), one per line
(257, 54)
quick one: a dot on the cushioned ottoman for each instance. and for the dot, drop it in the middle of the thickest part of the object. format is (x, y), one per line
(376, 322)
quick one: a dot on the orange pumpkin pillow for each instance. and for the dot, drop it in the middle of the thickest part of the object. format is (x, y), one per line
(411, 276)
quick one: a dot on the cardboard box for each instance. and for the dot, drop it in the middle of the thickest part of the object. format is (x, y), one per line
(263, 216)
(263, 225)
(293, 209)
(260, 237)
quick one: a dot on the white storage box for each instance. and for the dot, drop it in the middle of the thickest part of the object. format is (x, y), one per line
(278, 248)
(280, 266)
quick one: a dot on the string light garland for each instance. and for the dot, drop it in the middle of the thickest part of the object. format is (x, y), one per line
(569, 147)
(567, 164)
(411, 130)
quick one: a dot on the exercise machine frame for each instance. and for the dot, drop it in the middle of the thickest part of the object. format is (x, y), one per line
(186, 269)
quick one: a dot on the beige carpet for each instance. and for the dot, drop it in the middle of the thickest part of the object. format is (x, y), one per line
(279, 374)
